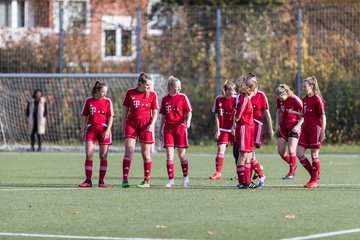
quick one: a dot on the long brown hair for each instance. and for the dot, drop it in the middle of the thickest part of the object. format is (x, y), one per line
(97, 87)
(227, 85)
(143, 77)
(312, 81)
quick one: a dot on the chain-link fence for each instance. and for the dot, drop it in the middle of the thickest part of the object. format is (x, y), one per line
(205, 46)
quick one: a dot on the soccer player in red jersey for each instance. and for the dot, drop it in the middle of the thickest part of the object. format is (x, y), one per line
(224, 109)
(288, 125)
(97, 119)
(176, 113)
(244, 131)
(140, 110)
(260, 106)
(313, 131)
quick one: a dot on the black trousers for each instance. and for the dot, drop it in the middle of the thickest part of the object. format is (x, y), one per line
(32, 139)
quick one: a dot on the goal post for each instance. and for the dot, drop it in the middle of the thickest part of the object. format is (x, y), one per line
(65, 95)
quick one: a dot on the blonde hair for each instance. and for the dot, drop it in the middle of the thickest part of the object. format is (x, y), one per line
(239, 82)
(283, 88)
(313, 82)
(246, 84)
(171, 82)
(227, 85)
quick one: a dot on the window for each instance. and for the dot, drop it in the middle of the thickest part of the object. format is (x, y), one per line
(5, 13)
(76, 15)
(118, 38)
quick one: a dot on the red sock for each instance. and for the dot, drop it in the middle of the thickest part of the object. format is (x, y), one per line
(305, 162)
(170, 168)
(126, 167)
(292, 164)
(147, 170)
(219, 161)
(247, 173)
(240, 169)
(184, 166)
(256, 166)
(103, 168)
(315, 169)
(88, 168)
(286, 157)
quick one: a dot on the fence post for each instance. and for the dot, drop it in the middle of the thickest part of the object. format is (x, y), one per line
(138, 41)
(217, 50)
(299, 40)
(61, 45)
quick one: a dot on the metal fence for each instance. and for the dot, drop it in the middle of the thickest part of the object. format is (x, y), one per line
(204, 46)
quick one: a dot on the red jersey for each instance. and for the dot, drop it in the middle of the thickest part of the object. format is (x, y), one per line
(174, 108)
(314, 108)
(259, 103)
(97, 110)
(225, 108)
(139, 105)
(291, 103)
(244, 109)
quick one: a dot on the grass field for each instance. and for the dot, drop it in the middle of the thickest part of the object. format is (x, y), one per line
(39, 196)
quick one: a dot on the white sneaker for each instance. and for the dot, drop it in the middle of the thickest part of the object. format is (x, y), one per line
(170, 183)
(185, 182)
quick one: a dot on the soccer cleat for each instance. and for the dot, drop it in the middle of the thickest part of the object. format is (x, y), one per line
(185, 182)
(243, 186)
(125, 184)
(262, 182)
(102, 184)
(216, 176)
(143, 184)
(288, 177)
(312, 184)
(86, 184)
(253, 185)
(170, 183)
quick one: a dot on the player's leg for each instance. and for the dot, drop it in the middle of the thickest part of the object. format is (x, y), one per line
(184, 166)
(170, 166)
(219, 161)
(314, 182)
(128, 156)
(169, 144)
(103, 151)
(292, 144)
(89, 152)
(257, 168)
(281, 148)
(146, 156)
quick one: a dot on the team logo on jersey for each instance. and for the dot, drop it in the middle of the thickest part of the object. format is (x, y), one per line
(136, 103)
(92, 110)
(168, 108)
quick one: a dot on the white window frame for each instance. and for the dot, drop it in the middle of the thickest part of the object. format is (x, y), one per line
(66, 16)
(118, 23)
(152, 31)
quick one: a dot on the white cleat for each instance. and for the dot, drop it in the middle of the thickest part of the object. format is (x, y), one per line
(185, 182)
(170, 183)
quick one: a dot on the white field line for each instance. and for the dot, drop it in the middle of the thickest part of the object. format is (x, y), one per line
(233, 185)
(34, 235)
(328, 234)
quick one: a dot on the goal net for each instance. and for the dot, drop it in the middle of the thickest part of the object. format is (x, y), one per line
(65, 95)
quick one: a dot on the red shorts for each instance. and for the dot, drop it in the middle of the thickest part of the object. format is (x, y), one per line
(138, 129)
(96, 133)
(310, 137)
(245, 138)
(258, 133)
(225, 138)
(287, 131)
(175, 136)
